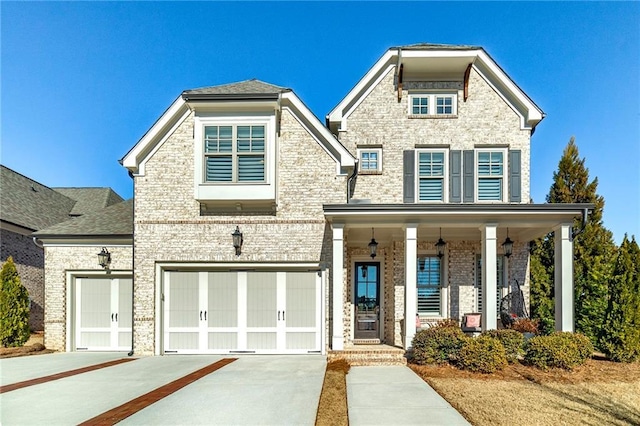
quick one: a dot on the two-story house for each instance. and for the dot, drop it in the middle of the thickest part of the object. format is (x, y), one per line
(259, 229)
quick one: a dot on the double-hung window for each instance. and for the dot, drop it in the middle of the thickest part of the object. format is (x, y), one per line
(431, 175)
(234, 153)
(491, 174)
(432, 104)
(429, 285)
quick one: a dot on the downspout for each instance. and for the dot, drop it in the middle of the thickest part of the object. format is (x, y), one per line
(350, 179)
(35, 241)
(585, 216)
(133, 261)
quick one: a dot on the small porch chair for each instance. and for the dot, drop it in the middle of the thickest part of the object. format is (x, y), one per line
(513, 307)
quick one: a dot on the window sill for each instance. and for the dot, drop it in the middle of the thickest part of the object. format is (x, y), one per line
(236, 192)
(444, 116)
(370, 172)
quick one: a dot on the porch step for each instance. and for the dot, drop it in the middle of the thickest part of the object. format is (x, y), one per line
(370, 355)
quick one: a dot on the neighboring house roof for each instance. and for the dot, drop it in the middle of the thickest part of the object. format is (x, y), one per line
(441, 59)
(89, 199)
(29, 204)
(243, 91)
(115, 220)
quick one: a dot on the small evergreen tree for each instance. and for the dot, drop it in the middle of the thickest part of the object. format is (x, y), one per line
(594, 249)
(542, 290)
(14, 307)
(620, 335)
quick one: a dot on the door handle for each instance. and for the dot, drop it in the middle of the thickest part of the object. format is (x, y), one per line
(200, 315)
(282, 315)
(205, 315)
(116, 317)
(278, 315)
(111, 317)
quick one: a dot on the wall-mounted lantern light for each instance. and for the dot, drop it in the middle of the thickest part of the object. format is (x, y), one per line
(440, 246)
(507, 246)
(237, 241)
(104, 258)
(373, 246)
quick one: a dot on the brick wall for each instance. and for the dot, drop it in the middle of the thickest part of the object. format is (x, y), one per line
(29, 261)
(60, 260)
(380, 120)
(170, 227)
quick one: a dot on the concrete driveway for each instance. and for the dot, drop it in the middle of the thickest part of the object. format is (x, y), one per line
(257, 390)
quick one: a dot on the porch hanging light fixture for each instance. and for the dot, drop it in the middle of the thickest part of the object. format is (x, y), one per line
(440, 246)
(507, 246)
(237, 240)
(104, 258)
(373, 246)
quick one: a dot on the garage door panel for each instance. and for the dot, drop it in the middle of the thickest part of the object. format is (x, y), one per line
(301, 340)
(95, 339)
(222, 299)
(125, 291)
(185, 300)
(184, 340)
(223, 341)
(262, 302)
(95, 303)
(301, 299)
(262, 341)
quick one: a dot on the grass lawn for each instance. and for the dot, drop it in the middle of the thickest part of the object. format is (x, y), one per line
(597, 393)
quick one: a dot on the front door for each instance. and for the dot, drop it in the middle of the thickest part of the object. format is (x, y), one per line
(367, 300)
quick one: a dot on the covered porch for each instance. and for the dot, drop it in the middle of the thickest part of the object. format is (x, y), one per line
(411, 281)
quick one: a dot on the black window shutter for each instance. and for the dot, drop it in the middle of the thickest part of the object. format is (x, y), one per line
(515, 176)
(409, 184)
(455, 176)
(468, 187)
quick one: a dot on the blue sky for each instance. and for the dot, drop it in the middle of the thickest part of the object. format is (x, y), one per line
(83, 81)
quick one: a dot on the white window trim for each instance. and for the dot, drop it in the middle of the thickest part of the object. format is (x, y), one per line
(445, 175)
(444, 291)
(505, 167)
(432, 103)
(265, 190)
(377, 151)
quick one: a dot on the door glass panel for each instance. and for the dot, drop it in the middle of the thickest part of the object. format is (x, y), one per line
(183, 299)
(261, 299)
(223, 299)
(367, 301)
(301, 299)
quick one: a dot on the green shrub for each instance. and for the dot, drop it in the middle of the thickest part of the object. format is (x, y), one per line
(511, 340)
(483, 354)
(558, 350)
(14, 307)
(437, 344)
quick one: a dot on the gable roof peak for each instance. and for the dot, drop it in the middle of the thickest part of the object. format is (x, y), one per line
(245, 87)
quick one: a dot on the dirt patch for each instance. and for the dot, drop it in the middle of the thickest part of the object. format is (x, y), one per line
(332, 409)
(599, 392)
(33, 346)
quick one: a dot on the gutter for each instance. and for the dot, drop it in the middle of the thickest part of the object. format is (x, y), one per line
(133, 262)
(353, 176)
(585, 217)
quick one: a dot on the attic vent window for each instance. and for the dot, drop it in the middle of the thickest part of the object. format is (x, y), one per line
(433, 104)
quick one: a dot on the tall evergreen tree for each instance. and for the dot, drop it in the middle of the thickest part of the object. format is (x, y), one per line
(14, 307)
(593, 250)
(620, 335)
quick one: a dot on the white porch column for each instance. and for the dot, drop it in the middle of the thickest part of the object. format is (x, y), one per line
(410, 283)
(563, 277)
(337, 277)
(489, 276)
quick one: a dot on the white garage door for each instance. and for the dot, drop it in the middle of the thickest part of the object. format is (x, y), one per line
(103, 314)
(237, 312)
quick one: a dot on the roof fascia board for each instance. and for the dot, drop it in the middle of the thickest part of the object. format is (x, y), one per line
(330, 209)
(360, 99)
(14, 227)
(172, 117)
(67, 240)
(337, 113)
(319, 132)
(197, 97)
(534, 113)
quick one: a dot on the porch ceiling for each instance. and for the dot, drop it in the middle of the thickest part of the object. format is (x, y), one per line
(458, 221)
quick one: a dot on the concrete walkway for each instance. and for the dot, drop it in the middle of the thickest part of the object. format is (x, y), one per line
(395, 395)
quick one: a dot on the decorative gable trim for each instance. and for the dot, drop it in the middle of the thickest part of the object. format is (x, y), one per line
(529, 112)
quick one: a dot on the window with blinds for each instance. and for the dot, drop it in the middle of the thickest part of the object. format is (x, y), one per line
(490, 175)
(429, 283)
(234, 153)
(500, 281)
(431, 175)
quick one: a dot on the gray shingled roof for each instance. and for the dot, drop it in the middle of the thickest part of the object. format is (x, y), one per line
(247, 87)
(115, 220)
(434, 46)
(90, 199)
(29, 204)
